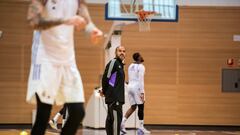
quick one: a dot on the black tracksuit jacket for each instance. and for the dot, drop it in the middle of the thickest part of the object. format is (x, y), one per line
(113, 82)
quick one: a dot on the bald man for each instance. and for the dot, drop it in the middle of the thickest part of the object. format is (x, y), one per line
(113, 90)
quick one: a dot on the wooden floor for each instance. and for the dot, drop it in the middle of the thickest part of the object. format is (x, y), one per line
(130, 132)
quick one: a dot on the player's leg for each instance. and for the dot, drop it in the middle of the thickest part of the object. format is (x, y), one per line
(132, 95)
(63, 111)
(65, 115)
(42, 117)
(126, 116)
(117, 118)
(53, 122)
(141, 119)
(43, 85)
(130, 111)
(114, 119)
(72, 91)
(109, 120)
(76, 115)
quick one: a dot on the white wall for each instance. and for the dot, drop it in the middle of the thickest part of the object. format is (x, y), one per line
(193, 2)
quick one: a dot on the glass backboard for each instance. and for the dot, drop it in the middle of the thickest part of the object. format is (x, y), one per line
(125, 10)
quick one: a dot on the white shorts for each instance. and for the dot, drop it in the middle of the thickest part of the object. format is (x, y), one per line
(55, 83)
(134, 95)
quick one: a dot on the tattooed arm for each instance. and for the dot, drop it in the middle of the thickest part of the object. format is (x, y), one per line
(38, 22)
(83, 11)
(96, 34)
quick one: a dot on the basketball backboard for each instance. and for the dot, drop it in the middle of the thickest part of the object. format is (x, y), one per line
(125, 10)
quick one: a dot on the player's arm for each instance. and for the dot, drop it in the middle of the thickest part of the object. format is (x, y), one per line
(141, 78)
(90, 28)
(38, 22)
(107, 75)
(105, 80)
(83, 11)
(35, 18)
(142, 97)
(141, 81)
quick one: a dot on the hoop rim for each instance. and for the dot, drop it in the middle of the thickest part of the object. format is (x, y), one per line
(147, 12)
(142, 14)
(144, 19)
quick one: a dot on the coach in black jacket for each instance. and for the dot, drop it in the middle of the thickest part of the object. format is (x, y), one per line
(113, 90)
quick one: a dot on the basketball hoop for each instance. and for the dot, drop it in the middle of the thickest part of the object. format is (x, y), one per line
(144, 19)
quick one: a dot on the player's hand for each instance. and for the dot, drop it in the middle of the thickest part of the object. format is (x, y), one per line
(101, 93)
(77, 21)
(96, 36)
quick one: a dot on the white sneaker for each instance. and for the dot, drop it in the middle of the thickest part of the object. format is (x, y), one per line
(53, 124)
(123, 129)
(144, 130)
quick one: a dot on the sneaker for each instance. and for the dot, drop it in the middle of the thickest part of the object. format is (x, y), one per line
(144, 130)
(53, 124)
(123, 129)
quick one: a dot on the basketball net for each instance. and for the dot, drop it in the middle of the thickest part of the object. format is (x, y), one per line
(144, 20)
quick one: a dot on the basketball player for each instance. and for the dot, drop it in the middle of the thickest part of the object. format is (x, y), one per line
(136, 72)
(54, 77)
(113, 90)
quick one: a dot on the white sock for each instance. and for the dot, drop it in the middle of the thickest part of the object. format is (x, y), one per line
(141, 122)
(55, 118)
(124, 120)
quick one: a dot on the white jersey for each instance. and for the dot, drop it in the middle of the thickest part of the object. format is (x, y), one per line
(54, 75)
(56, 45)
(136, 77)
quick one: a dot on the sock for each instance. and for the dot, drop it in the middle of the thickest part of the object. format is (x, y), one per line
(141, 122)
(55, 118)
(124, 120)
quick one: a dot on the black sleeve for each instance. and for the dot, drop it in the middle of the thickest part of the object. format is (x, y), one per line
(105, 79)
(110, 68)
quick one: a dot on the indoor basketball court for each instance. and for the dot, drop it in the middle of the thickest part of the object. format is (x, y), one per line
(191, 50)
